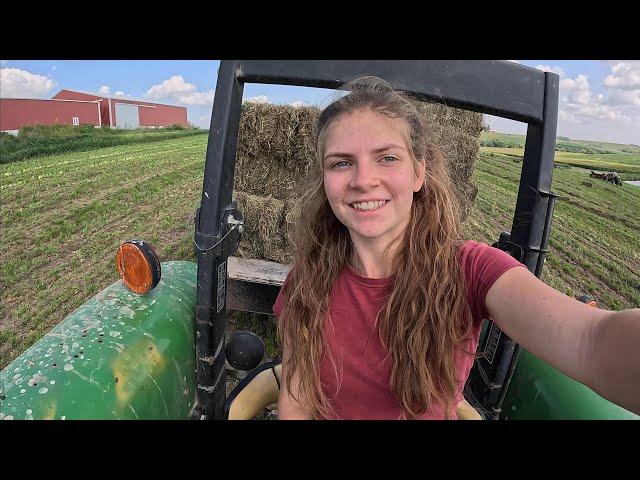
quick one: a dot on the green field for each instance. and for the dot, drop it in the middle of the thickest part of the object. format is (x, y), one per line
(63, 217)
(628, 163)
(601, 156)
(41, 140)
(610, 146)
(518, 140)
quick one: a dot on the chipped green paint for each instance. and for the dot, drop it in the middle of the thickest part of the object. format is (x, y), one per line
(118, 356)
(539, 391)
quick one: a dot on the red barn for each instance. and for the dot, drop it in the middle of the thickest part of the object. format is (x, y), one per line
(70, 107)
(130, 113)
(16, 113)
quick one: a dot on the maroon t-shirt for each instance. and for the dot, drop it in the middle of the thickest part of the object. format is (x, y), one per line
(358, 385)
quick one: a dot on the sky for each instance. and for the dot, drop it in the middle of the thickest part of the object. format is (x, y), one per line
(599, 99)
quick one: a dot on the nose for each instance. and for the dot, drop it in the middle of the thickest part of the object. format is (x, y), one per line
(364, 177)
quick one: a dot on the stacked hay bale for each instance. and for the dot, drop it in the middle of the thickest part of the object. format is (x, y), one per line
(457, 133)
(275, 153)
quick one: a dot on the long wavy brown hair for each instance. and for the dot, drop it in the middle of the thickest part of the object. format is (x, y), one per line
(427, 316)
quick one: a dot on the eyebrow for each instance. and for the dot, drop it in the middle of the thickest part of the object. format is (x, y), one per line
(389, 146)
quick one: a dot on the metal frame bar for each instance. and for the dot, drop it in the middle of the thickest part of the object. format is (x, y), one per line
(211, 228)
(527, 241)
(535, 179)
(498, 88)
(505, 89)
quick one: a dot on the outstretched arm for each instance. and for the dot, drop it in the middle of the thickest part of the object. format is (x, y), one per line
(596, 347)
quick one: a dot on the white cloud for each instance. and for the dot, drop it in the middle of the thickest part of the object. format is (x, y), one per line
(624, 97)
(622, 94)
(18, 83)
(578, 104)
(298, 103)
(514, 61)
(622, 91)
(607, 111)
(564, 115)
(171, 87)
(624, 75)
(106, 90)
(556, 69)
(196, 98)
(576, 90)
(603, 112)
(176, 88)
(258, 99)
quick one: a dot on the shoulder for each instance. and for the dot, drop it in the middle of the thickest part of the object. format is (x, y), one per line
(284, 293)
(477, 257)
(481, 265)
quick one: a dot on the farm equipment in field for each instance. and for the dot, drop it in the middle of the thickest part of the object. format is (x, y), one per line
(612, 177)
(153, 345)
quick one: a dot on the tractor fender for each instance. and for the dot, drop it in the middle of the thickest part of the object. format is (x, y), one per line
(118, 356)
(538, 391)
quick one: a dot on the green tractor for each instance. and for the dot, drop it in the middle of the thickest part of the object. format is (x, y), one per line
(152, 345)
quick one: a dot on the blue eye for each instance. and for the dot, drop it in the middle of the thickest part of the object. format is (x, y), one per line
(340, 164)
(389, 159)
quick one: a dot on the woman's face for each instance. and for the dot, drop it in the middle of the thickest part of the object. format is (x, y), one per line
(370, 175)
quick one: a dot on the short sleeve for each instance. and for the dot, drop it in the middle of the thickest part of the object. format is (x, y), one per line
(482, 265)
(281, 299)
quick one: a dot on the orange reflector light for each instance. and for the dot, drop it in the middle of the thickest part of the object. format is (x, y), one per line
(138, 266)
(588, 299)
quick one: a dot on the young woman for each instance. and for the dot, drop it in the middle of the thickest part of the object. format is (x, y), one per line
(381, 312)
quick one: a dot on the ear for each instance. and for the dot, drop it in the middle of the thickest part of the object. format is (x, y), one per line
(419, 176)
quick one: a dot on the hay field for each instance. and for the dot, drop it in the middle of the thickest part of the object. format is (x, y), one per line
(602, 156)
(594, 242)
(623, 163)
(517, 140)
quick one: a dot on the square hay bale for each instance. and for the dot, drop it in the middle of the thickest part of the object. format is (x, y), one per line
(457, 134)
(263, 219)
(275, 149)
(292, 210)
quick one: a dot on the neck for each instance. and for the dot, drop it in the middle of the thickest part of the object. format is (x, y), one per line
(369, 259)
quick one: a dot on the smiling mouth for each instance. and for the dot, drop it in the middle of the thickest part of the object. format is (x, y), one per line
(369, 206)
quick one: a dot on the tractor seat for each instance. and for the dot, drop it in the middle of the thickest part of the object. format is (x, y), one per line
(465, 411)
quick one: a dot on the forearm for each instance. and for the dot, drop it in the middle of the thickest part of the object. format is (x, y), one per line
(289, 407)
(616, 358)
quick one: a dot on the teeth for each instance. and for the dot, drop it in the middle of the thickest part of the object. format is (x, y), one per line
(369, 205)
